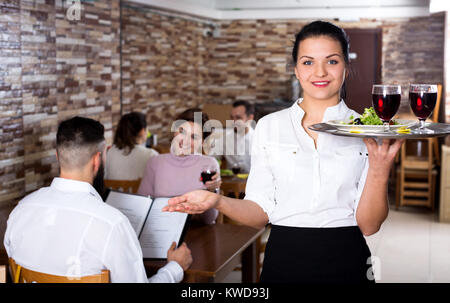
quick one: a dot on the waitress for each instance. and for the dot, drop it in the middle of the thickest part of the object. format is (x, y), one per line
(321, 193)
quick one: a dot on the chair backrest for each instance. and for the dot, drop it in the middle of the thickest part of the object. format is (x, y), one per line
(23, 275)
(127, 186)
(435, 116)
(417, 154)
(162, 148)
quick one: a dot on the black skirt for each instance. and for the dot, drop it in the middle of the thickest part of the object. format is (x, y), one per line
(316, 255)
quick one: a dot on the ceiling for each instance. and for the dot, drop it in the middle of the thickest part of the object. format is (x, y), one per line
(295, 9)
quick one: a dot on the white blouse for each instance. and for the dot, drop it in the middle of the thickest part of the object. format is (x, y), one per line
(127, 167)
(301, 186)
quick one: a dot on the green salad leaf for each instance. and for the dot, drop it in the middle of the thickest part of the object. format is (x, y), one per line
(369, 117)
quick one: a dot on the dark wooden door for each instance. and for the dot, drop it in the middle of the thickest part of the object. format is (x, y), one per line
(365, 67)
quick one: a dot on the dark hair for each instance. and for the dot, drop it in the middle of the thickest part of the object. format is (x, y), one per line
(128, 129)
(189, 115)
(323, 28)
(249, 108)
(77, 140)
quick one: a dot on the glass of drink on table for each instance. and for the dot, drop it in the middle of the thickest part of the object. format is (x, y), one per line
(386, 101)
(422, 98)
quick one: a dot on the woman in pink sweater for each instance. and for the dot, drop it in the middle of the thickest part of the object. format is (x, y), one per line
(178, 172)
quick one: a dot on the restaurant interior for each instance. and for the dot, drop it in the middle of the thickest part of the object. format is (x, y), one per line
(104, 58)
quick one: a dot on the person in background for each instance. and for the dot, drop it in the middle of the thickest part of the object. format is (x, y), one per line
(67, 230)
(127, 158)
(234, 143)
(174, 173)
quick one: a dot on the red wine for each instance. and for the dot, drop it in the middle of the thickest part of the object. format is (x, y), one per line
(386, 105)
(422, 104)
(207, 175)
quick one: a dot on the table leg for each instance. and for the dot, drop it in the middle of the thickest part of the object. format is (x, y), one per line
(249, 265)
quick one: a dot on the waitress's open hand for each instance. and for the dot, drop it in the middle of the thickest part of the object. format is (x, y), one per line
(194, 202)
(381, 157)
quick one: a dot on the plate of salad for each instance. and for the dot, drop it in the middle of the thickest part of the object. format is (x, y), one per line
(370, 122)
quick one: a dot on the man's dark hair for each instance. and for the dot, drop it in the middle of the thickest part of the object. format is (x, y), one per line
(249, 108)
(77, 140)
(130, 125)
(189, 115)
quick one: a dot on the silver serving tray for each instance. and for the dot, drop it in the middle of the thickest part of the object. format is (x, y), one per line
(439, 130)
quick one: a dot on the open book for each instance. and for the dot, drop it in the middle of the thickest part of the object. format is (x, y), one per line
(156, 230)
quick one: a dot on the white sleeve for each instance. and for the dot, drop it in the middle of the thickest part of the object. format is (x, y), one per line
(260, 186)
(170, 273)
(123, 255)
(361, 183)
(123, 258)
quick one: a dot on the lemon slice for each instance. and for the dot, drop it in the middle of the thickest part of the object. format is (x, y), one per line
(404, 130)
(355, 130)
(242, 176)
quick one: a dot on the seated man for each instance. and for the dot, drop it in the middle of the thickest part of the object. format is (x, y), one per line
(234, 143)
(67, 230)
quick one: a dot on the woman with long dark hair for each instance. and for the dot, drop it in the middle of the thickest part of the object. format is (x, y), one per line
(127, 158)
(321, 193)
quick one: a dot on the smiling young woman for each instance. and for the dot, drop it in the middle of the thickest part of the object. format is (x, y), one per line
(321, 193)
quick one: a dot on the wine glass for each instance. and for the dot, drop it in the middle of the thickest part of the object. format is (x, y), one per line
(422, 98)
(386, 101)
(208, 171)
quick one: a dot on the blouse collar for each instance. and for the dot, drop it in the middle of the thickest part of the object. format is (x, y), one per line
(334, 112)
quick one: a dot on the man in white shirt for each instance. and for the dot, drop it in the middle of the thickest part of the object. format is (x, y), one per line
(234, 143)
(66, 229)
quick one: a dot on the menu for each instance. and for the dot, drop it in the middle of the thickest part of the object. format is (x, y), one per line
(156, 230)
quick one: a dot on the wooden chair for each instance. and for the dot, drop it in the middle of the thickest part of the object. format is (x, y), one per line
(127, 186)
(23, 275)
(416, 174)
(2, 273)
(162, 148)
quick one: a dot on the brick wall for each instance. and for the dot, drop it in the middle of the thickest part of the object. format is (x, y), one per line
(52, 68)
(164, 64)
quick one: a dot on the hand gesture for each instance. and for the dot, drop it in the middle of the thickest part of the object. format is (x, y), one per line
(194, 202)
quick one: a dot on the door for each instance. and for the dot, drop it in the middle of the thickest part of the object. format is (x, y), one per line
(365, 67)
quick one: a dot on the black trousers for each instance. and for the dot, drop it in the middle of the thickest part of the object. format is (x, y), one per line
(316, 255)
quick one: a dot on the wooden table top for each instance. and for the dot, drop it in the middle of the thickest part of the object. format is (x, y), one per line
(214, 246)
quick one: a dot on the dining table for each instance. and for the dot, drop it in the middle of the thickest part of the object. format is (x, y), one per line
(217, 249)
